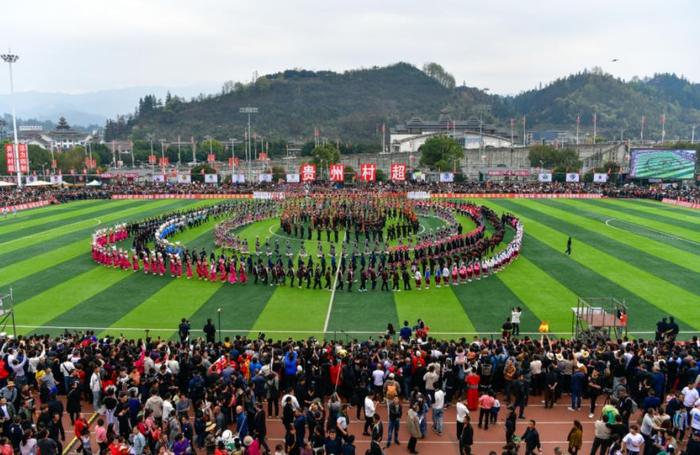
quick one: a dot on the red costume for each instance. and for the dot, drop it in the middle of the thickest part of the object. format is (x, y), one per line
(232, 279)
(242, 277)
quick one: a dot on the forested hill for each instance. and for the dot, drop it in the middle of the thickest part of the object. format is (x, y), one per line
(352, 106)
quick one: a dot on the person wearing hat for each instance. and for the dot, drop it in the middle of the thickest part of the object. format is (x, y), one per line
(9, 392)
(391, 388)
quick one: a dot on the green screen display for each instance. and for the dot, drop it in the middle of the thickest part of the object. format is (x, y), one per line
(663, 164)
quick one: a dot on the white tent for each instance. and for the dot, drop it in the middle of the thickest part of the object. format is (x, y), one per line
(94, 183)
(4, 184)
(38, 183)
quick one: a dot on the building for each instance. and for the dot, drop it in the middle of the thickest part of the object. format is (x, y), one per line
(551, 137)
(63, 137)
(471, 134)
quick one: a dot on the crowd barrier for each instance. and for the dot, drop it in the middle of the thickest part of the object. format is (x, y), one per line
(25, 206)
(516, 195)
(182, 196)
(681, 203)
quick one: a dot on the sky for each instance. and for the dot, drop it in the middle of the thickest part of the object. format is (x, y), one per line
(76, 46)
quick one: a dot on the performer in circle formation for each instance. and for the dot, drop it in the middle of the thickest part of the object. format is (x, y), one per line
(445, 256)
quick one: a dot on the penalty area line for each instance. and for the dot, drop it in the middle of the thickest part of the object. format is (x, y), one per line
(657, 232)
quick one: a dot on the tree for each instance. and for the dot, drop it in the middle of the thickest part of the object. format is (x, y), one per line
(278, 173)
(324, 155)
(549, 157)
(74, 159)
(438, 73)
(216, 147)
(440, 153)
(37, 157)
(198, 176)
(228, 87)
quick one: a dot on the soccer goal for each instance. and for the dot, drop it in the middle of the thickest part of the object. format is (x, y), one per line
(599, 318)
(7, 314)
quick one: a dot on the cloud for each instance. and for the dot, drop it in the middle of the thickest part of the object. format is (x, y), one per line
(507, 46)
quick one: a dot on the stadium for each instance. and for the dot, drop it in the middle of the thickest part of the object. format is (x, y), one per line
(237, 228)
(149, 262)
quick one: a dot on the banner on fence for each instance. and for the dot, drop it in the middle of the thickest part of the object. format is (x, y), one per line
(600, 177)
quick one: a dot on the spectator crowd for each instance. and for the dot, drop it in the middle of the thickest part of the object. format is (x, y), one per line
(207, 395)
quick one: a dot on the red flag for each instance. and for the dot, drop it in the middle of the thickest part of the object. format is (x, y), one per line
(10, 159)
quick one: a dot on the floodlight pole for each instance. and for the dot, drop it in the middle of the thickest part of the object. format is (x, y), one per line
(233, 156)
(248, 110)
(11, 58)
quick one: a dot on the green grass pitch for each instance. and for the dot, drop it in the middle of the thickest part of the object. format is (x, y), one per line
(643, 252)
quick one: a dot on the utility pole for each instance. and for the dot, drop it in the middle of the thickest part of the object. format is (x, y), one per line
(512, 132)
(692, 134)
(11, 58)
(641, 131)
(524, 132)
(179, 160)
(248, 110)
(162, 156)
(233, 157)
(578, 124)
(194, 151)
(153, 165)
(663, 127)
(595, 126)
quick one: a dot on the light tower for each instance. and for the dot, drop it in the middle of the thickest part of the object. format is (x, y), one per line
(11, 58)
(248, 154)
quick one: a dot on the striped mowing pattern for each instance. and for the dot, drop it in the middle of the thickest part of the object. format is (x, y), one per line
(642, 251)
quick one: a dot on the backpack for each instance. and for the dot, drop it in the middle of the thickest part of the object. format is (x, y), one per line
(391, 391)
(486, 369)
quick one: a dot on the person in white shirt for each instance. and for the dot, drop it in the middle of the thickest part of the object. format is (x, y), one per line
(515, 319)
(96, 388)
(690, 395)
(370, 407)
(295, 402)
(168, 408)
(438, 409)
(67, 369)
(694, 417)
(462, 413)
(633, 441)
(378, 379)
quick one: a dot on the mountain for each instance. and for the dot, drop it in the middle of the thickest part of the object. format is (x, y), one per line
(293, 103)
(351, 106)
(84, 109)
(617, 104)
